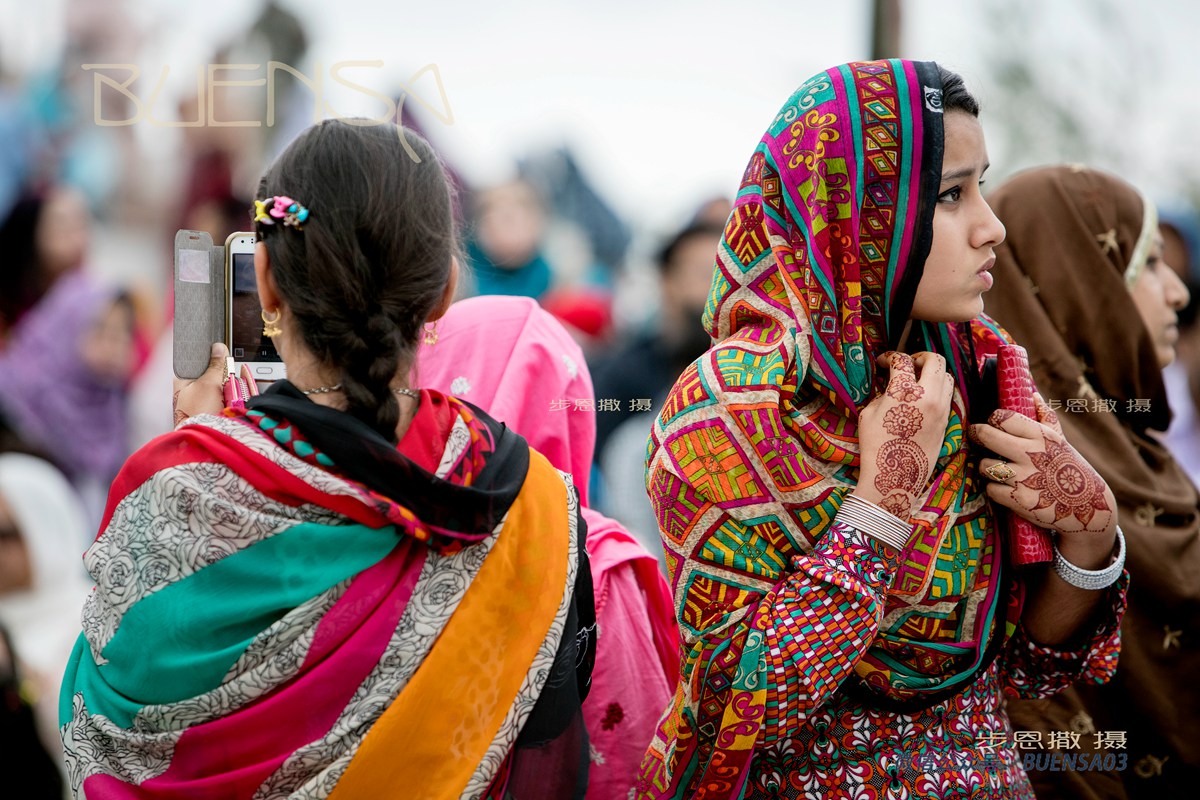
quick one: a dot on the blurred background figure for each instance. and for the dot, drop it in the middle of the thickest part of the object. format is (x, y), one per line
(44, 237)
(42, 589)
(714, 212)
(649, 360)
(1180, 228)
(632, 378)
(1179, 224)
(516, 362)
(19, 736)
(559, 178)
(505, 252)
(548, 234)
(1182, 379)
(66, 371)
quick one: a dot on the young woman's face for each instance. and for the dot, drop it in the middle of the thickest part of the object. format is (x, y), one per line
(62, 232)
(965, 230)
(1158, 294)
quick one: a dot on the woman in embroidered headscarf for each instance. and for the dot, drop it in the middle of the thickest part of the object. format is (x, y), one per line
(1082, 282)
(849, 619)
(348, 588)
(517, 362)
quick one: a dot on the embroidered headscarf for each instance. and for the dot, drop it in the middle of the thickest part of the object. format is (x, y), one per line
(757, 443)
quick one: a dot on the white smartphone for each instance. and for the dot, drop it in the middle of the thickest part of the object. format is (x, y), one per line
(243, 312)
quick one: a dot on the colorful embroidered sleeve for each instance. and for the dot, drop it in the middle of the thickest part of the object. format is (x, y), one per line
(1035, 671)
(822, 618)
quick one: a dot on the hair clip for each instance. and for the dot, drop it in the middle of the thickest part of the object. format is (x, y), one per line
(283, 209)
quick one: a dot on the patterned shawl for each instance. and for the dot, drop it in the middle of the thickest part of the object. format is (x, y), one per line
(756, 445)
(1073, 234)
(288, 607)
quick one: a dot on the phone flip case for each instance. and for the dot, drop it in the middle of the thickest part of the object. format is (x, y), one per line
(1028, 544)
(199, 318)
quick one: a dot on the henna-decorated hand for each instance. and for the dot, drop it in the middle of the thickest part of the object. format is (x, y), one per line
(901, 431)
(1050, 484)
(203, 395)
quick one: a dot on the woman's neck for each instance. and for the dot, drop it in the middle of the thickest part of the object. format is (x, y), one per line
(305, 372)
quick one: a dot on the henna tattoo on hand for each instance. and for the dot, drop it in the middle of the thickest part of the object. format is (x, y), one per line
(180, 415)
(906, 390)
(1048, 416)
(1066, 483)
(1000, 415)
(902, 465)
(898, 504)
(903, 421)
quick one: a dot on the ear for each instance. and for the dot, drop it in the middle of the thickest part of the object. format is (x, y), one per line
(268, 292)
(447, 297)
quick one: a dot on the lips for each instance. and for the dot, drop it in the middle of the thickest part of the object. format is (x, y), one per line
(985, 274)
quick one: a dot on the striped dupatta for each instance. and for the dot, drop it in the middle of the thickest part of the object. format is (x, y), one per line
(264, 625)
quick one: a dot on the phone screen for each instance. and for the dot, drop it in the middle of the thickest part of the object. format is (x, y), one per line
(248, 342)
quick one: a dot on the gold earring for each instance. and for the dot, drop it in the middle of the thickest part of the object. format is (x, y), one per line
(431, 333)
(271, 325)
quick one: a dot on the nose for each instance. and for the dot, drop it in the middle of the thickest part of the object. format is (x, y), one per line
(988, 230)
(1175, 289)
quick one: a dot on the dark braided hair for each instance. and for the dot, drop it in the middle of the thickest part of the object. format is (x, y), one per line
(372, 260)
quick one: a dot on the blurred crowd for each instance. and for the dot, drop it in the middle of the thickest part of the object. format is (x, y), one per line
(85, 363)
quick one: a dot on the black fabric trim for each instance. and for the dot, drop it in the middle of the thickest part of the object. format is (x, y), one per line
(933, 148)
(363, 455)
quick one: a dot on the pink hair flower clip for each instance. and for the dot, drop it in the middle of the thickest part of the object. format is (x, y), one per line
(282, 209)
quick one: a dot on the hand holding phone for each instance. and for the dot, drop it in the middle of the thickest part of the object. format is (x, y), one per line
(204, 394)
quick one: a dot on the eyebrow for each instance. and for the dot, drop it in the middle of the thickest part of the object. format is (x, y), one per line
(963, 173)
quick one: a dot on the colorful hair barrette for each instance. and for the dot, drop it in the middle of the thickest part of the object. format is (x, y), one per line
(281, 209)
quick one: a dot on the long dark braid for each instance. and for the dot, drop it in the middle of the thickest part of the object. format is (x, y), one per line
(373, 258)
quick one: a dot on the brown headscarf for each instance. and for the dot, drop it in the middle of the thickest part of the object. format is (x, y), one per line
(1061, 290)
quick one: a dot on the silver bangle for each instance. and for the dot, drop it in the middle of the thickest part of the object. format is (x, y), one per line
(868, 518)
(1091, 579)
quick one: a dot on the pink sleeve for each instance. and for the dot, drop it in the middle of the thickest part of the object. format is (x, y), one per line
(631, 686)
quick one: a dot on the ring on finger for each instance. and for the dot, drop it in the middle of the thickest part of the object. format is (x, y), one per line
(1000, 472)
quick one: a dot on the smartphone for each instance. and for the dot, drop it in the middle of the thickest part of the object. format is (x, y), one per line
(243, 312)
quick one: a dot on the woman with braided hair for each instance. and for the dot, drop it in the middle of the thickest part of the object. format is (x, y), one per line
(350, 587)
